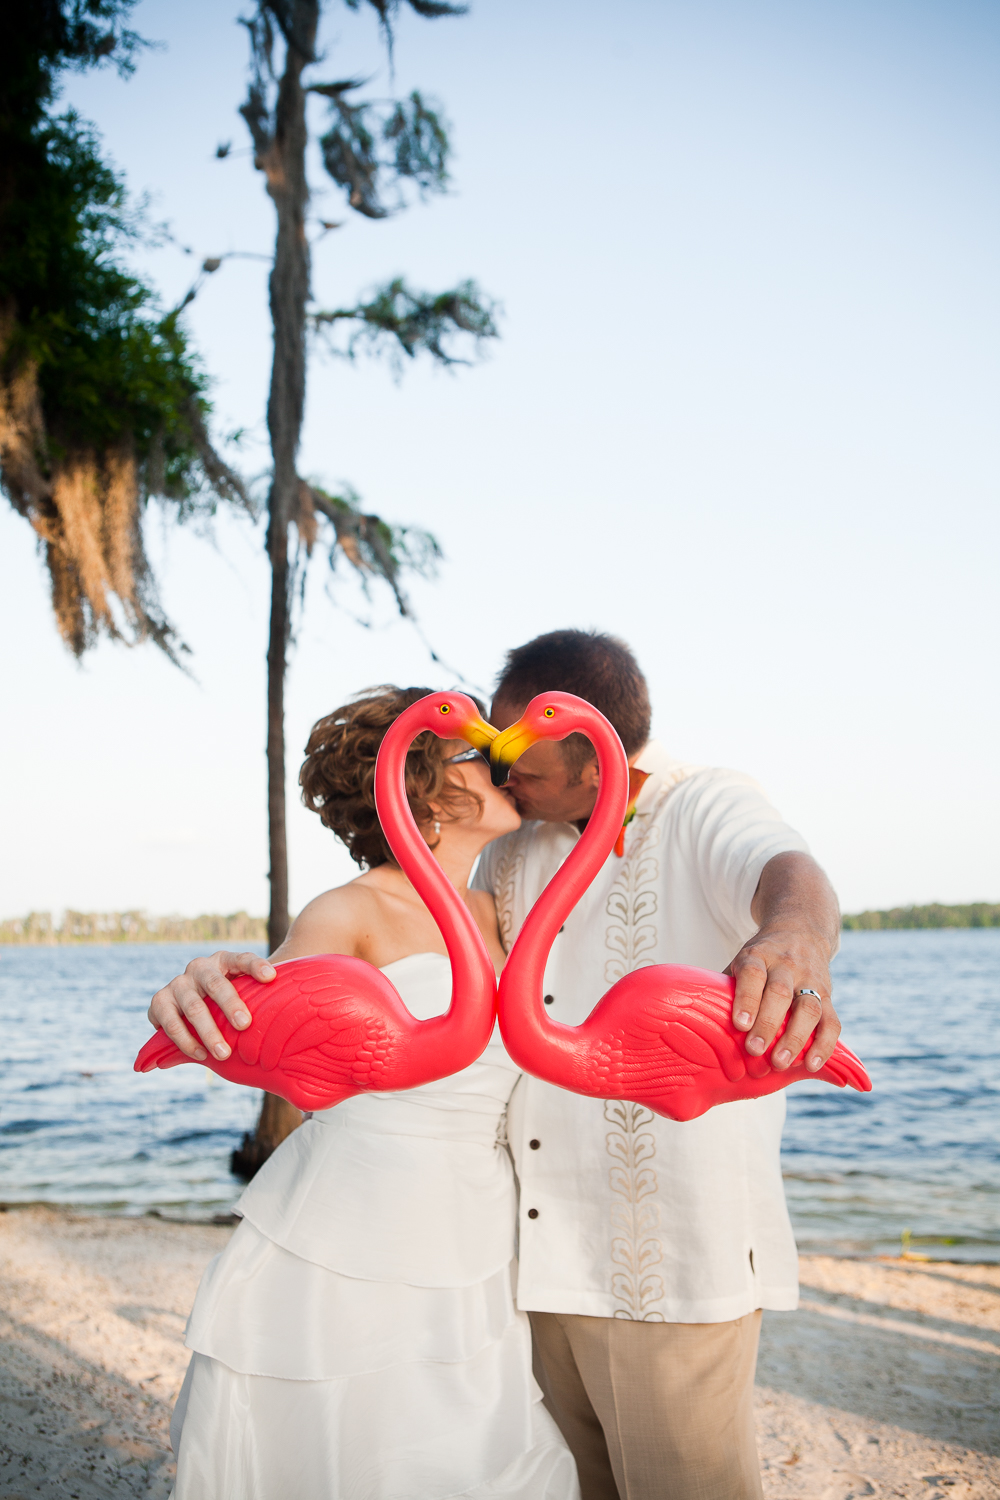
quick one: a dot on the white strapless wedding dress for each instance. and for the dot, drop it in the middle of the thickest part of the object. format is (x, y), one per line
(358, 1339)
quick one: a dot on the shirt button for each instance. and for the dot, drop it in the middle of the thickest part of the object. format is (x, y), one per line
(547, 998)
(532, 1213)
(534, 1145)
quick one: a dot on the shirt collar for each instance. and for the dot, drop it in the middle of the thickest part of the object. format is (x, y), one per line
(661, 767)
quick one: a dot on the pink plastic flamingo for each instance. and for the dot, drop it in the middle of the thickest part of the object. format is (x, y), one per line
(332, 1026)
(662, 1036)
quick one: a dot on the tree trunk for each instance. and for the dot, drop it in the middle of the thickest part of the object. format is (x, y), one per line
(285, 167)
(277, 649)
(277, 1120)
(282, 158)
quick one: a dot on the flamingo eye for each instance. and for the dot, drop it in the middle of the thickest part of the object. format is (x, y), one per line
(550, 713)
(445, 708)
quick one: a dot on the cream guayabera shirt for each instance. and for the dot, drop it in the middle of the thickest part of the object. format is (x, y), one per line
(622, 1213)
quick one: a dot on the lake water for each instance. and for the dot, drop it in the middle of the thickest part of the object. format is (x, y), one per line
(920, 1155)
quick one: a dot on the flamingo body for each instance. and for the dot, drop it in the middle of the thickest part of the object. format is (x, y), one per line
(662, 1036)
(331, 1026)
(324, 1028)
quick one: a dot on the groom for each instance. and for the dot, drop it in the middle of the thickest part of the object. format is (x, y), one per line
(648, 1248)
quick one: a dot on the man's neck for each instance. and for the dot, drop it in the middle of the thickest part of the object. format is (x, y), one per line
(581, 823)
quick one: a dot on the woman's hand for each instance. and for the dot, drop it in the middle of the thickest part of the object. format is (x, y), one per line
(183, 1000)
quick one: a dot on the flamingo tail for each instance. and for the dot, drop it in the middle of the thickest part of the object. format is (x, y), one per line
(159, 1052)
(844, 1068)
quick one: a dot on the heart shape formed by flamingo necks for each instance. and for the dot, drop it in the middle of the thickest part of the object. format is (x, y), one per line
(332, 1026)
(662, 1036)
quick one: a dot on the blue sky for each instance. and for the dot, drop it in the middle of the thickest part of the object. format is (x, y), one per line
(743, 413)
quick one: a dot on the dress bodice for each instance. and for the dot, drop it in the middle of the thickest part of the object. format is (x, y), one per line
(365, 1188)
(468, 1104)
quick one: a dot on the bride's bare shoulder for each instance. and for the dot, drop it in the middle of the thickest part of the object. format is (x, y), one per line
(337, 921)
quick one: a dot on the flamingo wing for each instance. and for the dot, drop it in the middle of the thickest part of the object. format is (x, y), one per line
(324, 1029)
(344, 1032)
(670, 1026)
(332, 1032)
(672, 1045)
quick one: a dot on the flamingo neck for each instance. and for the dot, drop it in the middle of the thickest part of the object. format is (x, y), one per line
(473, 977)
(521, 1006)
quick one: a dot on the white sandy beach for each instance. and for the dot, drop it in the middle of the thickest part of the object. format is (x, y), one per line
(886, 1383)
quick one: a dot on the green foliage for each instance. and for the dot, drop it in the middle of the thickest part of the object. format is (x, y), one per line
(42, 37)
(371, 147)
(431, 10)
(102, 401)
(387, 11)
(978, 914)
(398, 320)
(110, 367)
(420, 144)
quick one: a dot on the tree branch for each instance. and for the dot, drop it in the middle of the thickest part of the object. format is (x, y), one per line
(371, 148)
(387, 10)
(225, 482)
(399, 320)
(297, 30)
(372, 547)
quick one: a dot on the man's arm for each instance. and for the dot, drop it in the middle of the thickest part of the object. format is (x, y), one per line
(329, 924)
(798, 926)
(180, 1005)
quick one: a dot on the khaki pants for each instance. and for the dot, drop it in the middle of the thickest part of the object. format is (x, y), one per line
(653, 1411)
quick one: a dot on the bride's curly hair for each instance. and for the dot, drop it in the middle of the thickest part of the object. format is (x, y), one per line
(338, 774)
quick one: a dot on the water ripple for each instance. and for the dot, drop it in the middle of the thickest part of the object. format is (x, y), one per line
(921, 1153)
(110, 1139)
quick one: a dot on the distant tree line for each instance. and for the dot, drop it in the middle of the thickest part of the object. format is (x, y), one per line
(132, 927)
(138, 927)
(978, 914)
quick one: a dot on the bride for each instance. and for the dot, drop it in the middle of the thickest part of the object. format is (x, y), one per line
(358, 1339)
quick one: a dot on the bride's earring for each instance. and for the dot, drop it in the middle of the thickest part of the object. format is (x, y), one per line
(437, 826)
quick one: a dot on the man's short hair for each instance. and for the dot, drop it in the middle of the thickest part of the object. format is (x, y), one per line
(594, 666)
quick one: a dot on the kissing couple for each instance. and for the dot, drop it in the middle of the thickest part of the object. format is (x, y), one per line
(488, 1286)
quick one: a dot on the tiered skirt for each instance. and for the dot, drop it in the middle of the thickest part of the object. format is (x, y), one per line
(309, 1382)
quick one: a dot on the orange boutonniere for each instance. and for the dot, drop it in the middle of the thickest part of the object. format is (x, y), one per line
(636, 781)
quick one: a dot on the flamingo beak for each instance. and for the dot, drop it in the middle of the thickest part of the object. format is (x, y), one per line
(508, 747)
(479, 734)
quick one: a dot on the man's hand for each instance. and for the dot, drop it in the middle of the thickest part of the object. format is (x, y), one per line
(799, 922)
(184, 999)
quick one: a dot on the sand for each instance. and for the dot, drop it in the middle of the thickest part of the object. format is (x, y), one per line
(886, 1383)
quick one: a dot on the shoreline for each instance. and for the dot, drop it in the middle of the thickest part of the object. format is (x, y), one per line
(136, 926)
(885, 1383)
(228, 1218)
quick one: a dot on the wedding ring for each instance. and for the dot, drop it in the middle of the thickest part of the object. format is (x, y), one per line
(819, 997)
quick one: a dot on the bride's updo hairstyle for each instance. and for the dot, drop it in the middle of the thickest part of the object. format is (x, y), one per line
(338, 773)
